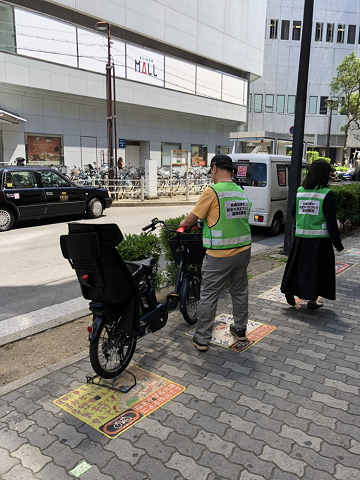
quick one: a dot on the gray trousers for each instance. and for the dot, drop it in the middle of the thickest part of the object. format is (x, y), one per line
(218, 273)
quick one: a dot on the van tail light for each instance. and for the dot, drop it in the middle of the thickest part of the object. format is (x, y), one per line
(259, 218)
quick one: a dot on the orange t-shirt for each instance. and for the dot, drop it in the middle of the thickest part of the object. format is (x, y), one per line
(208, 207)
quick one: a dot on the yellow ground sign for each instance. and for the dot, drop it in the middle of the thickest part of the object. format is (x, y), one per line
(222, 337)
(111, 412)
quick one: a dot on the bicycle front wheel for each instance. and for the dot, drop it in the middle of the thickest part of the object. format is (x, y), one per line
(112, 349)
(189, 299)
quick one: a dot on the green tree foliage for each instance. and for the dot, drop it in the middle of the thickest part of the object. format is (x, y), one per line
(346, 85)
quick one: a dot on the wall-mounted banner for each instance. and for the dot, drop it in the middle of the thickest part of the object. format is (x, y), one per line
(144, 65)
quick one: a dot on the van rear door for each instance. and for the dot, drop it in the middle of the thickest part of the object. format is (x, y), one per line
(253, 176)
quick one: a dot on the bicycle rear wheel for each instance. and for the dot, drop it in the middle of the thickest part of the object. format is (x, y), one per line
(189, 299)
(112, 349)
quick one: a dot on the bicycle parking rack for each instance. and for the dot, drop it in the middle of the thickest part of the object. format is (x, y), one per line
(91, 380)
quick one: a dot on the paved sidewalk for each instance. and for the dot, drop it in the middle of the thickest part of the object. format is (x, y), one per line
(286, 409)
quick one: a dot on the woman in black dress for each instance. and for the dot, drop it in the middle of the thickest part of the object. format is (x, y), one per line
(310, 269)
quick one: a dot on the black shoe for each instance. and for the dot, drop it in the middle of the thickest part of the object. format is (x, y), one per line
(239, 334)
(314, 305)
(290, 299)
(202, 347)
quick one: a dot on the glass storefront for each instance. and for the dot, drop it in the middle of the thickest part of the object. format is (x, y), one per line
(166, 153)
(199, 155)
(44, 149)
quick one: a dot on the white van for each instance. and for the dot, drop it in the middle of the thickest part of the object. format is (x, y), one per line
(264, 178)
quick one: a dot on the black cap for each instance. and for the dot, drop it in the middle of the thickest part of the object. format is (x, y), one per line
(222, 161)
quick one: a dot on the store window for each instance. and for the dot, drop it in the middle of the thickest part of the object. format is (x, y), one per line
(199, 155)
(7, 29)
(351, 34)
(258, 100)
(285, 29)
(330, 32)
(313, 105)
(291, 104)
(208, 83)
(319, 32)
(280, 104)
(296, 33)
(269, 103)
(166, 152)
(234, 90)
(341, 33)
(273, 29)
(44, 150)
(323, 105)
(222, 150)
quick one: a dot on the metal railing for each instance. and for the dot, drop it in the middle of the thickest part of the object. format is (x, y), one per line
(135, 188)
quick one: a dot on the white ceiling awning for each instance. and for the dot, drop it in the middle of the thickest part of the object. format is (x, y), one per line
(9, 117)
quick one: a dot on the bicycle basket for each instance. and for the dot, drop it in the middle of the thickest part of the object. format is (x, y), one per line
(188, 247)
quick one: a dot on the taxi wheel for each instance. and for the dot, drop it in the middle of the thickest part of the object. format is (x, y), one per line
(7, 219)
(95, 208)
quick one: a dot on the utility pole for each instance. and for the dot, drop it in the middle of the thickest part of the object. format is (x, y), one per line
(299, 124)
(110, 102)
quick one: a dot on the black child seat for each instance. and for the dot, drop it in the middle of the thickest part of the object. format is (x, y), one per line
(103, 275)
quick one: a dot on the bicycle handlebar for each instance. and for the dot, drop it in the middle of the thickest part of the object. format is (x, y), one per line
(156, 221)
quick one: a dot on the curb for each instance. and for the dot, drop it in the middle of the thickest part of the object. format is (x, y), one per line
(153, 204)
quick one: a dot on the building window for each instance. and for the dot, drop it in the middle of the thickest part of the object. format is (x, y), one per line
(351, 34)
(258, 100)
(319, 32)
(280, 104)
(222, 150)
(166, 152)
(249, 102)
(330, 32)
(7, 29)
(273, 29)
(199, 155)
(269, 103)
(313, 104)
(323, 105)
(291, 104)
(296, 34)
(341, 33)
(44, 150)
(285, 29)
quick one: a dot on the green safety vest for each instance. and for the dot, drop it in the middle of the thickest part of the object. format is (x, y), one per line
(232, 229)
(310, 219)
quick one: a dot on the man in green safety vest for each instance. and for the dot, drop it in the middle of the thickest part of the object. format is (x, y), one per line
(224, 208)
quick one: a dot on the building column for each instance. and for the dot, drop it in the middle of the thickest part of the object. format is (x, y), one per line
(152, 161)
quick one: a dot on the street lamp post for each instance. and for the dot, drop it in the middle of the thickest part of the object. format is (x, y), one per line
(110, 101)
(332, 105)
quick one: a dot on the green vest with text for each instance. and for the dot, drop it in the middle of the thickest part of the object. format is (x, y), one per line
(232, 229)
(310, 218)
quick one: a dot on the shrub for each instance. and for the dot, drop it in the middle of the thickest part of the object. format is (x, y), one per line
(139, 247)
(347, 202)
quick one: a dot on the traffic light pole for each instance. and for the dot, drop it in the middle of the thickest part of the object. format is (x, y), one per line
(299, 124)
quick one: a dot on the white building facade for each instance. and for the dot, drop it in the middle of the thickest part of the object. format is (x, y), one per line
(336, 33)
(182, 68)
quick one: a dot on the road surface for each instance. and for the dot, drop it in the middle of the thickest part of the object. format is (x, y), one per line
(34, 274)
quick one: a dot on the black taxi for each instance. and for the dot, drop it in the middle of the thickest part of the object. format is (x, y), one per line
(40, 192)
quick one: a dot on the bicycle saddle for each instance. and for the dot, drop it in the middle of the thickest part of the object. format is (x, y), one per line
(148, 263)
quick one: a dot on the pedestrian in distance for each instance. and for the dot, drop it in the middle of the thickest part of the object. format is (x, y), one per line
(310, 269)
(224, 208)
(20, 161)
